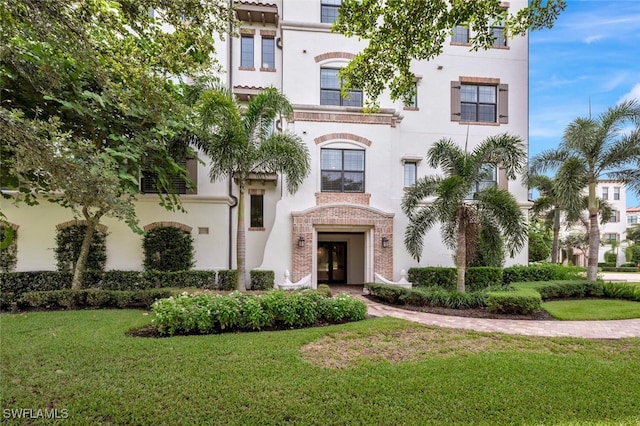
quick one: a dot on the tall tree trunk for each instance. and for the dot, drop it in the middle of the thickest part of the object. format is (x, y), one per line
(461, 253)
(241, 242)
(594, 234)
(556, 235)
(81, 263)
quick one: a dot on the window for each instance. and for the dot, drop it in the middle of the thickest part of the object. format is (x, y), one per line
(330, 90)
(632, 219)
(499, 40)
(329, 10)
(246, 51)
(616, 193)
(410, 173)
(413, 104)
(605, 193)
(268, 53)
(342, 170)
(488, 179)
(148, 182)
(480, 103)
(610, 238)
(615, 217)
(460, 35)
(257, 211)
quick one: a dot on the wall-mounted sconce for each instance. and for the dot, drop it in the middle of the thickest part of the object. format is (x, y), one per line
(301, 242)
(385, 242)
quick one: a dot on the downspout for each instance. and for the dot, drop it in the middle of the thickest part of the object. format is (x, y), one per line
(234, 199)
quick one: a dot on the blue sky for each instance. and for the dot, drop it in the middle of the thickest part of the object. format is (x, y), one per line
(591, 53)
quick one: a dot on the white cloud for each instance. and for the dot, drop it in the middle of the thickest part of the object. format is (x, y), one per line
(592, 38)
(634, 93)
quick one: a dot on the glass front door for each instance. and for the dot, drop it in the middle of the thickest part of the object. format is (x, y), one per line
(332, 262)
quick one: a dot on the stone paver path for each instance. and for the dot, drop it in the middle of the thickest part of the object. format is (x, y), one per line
(615, 329)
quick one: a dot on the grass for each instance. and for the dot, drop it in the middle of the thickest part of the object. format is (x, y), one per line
(592, 309)
(380, 371)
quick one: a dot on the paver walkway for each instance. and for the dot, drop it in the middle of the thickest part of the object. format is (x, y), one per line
(614, 329)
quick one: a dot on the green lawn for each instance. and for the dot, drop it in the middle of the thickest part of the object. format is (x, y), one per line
(592, 309)
(380, 371)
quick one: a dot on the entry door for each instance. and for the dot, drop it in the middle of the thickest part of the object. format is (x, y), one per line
(332, 262)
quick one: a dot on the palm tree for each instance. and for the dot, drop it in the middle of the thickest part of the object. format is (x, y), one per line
(241, 140)
(461, 212)
(594, 149)
(547, 206)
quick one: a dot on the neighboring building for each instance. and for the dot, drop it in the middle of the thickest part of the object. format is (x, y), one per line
(345, 223)
(613, 231)
(633, 216)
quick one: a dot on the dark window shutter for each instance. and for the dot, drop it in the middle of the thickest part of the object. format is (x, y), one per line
(192, 172)
(503, 103)
(456, 111)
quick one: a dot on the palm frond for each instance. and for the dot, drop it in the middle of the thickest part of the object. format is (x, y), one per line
(571, 179)
(286, 153)
(503, 208)
(262, 112)
(421, 221)
(424, 187)
(447, 155)
(547, 160)
(504, 149)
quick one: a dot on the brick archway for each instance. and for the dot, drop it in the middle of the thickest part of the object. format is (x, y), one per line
(379, 225)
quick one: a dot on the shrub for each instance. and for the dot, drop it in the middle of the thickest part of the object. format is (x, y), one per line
(262, 280)
(563, 289)
(344, 308)
(481, 277)
(68, 244)
(539, 250)
(93, 298)
(622, 269)
(227, 279)
(167, 248)
(123, 280)
(427, 296)
(489, 250)
(523, 302)
(429, 276)
(388, 293)
(324, 290)
(8, 254)
(528, 273)
(617, 290)
(610, 257)
(210, 313)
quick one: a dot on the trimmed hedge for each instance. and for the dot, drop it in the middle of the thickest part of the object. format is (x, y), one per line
(90, 298)
(522, 301)
(621, 269)
(208, 313)
(476, 277)
(541, 273)
(262, 280)
(564, 289)
(14, 284)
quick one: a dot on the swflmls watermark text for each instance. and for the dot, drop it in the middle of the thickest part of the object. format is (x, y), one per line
(30, 413)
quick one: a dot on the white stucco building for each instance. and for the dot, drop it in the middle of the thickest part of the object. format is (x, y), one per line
(345, 223)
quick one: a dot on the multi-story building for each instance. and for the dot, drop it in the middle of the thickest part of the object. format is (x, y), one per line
(345, 223)
(614, 231)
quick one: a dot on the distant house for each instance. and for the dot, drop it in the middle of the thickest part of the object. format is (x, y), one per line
(345, 224)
